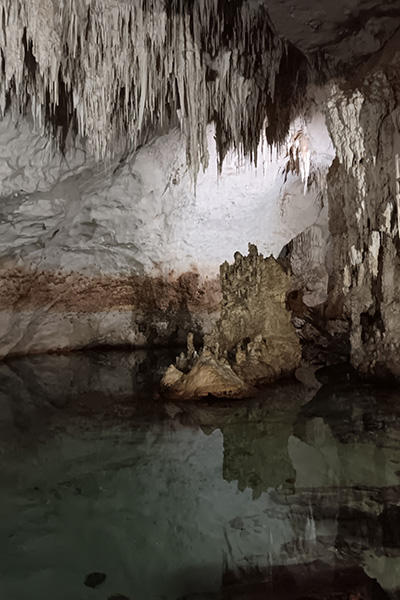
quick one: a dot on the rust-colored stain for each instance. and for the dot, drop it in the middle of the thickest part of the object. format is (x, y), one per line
(25, 289)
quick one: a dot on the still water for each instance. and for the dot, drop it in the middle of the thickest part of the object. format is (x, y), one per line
(294, 494)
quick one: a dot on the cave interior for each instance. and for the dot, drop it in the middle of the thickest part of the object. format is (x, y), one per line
(200, 231)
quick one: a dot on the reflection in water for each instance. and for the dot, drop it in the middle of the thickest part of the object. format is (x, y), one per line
(280, 497)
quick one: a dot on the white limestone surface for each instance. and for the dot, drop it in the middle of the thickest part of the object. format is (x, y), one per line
(140, 215)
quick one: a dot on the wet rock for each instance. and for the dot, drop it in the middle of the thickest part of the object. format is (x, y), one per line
(209, 377)
(254, 341)
(94, 579)
(118, 597)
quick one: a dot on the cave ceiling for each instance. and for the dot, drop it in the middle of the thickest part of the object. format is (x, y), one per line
(111, 74)
(339, 29)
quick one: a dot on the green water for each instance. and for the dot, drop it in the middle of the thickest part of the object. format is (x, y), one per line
(166, 499)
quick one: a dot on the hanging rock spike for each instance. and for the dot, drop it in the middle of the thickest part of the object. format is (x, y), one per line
(112, 71)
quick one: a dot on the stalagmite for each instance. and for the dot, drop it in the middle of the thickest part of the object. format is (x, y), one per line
(252, 343)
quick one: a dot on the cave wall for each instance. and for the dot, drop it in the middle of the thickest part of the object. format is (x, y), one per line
(363, 189)
(111, 234)
(128, 252)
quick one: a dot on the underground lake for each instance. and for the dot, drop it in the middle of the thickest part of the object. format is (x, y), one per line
(110, 492)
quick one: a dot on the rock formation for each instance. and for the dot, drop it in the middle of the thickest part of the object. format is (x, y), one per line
(128, 254)
(111, 234)
(208, 377)
(364, 197)
(114, 72)
(255, 327)
(253, 342)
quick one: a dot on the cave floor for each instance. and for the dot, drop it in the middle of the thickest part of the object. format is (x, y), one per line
(292, 495)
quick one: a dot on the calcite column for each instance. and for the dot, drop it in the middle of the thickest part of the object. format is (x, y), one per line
(364, 196)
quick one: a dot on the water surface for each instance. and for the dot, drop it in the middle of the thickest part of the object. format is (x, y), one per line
(297, 486)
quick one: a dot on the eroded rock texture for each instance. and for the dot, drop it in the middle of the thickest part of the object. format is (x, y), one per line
(364, 197)
(128, 253)
(93, 251)
(42, 310)
(255, 327)
(253, 342)
(208, 377)
(113, 73)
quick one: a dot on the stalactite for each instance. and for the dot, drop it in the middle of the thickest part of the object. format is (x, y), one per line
(113, 71)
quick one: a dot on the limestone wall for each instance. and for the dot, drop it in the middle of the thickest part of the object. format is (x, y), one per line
(363, 188)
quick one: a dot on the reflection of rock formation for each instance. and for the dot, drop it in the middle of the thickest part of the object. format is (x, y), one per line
(334, 484)
(346, 454)
(256, 455)
(316, 581)
(253, 342)
(255, 437)
(372, 415)
(163, 495)
(33, 388)
(255, 445)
